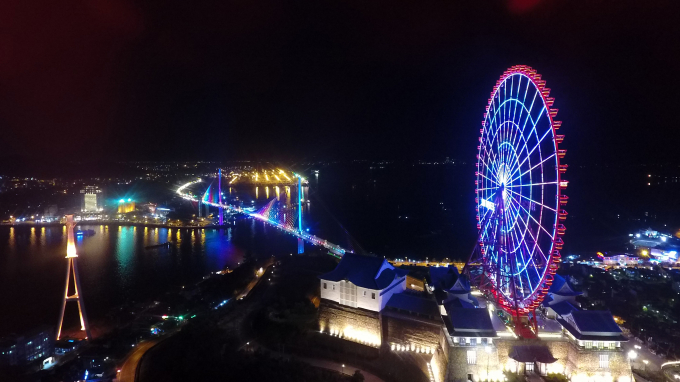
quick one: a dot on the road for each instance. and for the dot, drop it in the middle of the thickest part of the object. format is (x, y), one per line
(643, 354)
(129, 368)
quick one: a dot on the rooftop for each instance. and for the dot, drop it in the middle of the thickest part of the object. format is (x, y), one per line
(595, 321)
(364, 271)
(563, 308)
(443, 278)
(562, 287)
(467, 322)
(461, 286)
(592, 325)
(413, 304)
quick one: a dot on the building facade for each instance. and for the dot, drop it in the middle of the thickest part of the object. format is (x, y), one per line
(91, 199)
(456, 337)
(34, 345)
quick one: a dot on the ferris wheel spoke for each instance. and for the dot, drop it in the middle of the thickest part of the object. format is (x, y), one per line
(531, 184)
(533, 201)
(531, 258)
(487, 188)
(489, 154)
(536, 165)
(514, 113)
(527, 230)
(528, 117)
(524, 263)
(533, 123)
(539, 224)
(489, 179)
(523, 103)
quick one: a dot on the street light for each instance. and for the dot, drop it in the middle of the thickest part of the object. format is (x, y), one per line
(632, 354)
(343, 368)
(645, 362)
(487, 348)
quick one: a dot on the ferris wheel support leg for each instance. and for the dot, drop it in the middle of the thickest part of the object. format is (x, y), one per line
(534, 322)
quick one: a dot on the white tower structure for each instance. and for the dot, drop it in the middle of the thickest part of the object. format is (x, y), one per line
(72, 269)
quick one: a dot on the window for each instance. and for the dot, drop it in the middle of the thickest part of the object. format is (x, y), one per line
(589, 344)
(455, 340)
(470, 377)
(325, 286)
(473, 342)
(364, 293)
(373, 296)
(484, 341)
(604, 361)
(348, 293)
(612, 345)
(472, 357)
(333, 287)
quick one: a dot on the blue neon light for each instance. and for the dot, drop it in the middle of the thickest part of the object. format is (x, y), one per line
(521, 163)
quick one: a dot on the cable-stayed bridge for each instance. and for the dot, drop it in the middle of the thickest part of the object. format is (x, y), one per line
(284, 216)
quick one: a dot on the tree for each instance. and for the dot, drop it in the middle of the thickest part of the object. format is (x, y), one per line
(555, 377)
(357, 377)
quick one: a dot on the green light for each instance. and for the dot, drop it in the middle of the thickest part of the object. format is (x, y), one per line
(193, 316)
(181, 318)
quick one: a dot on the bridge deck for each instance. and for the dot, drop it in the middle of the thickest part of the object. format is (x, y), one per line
(312, 239)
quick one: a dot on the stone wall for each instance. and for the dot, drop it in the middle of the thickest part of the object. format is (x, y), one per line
(458, 367)
(586, 365)
(578, 364)
(411, 331)
(353, 324)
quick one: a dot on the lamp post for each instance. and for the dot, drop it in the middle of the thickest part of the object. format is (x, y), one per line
(645, 362)
(487, 348)
(632, 355)
(343, 368)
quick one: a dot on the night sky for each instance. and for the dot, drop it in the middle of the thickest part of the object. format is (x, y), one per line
(302, 80)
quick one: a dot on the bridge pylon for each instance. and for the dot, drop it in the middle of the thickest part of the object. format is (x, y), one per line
(301, 243)
(72, 269)
(219, 196)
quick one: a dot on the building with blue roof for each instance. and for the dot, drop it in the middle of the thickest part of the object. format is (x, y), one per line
(559, 309)
(562, 290)
(592, 329)
(363, 282)
(460, 336)
(443, 278)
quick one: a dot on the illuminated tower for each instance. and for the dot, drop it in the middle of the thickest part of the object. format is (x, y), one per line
(219, 196)
(72, 268)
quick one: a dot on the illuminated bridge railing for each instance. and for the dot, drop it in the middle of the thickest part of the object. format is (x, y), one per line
(312, 239)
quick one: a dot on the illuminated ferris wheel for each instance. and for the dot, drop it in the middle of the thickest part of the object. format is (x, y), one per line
(519, 192)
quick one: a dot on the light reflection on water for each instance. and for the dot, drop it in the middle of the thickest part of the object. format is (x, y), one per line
(115, 266)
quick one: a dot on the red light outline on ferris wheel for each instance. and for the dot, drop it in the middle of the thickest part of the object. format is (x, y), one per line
(532, 301)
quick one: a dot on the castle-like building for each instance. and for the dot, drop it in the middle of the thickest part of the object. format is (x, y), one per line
(457, 336)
